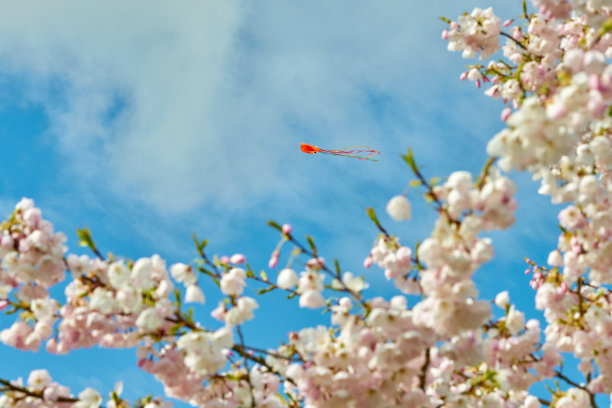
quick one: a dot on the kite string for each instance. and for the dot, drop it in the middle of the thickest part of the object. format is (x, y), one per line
(354, 151)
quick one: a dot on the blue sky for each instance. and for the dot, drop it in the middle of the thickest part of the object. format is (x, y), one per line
(149, 122)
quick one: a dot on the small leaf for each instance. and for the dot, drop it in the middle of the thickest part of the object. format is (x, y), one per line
(372, 215)
(85, 237)
(275, 225)
(265, 290)
(205, 271)
(606, 27)
(374, 219)
(337, 266)
(311, 244)
(203, 244)
(195, 240)
(263, 276)
(415, 183)
(409, 158)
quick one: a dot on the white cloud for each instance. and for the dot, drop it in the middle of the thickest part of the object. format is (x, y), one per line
(183, 106)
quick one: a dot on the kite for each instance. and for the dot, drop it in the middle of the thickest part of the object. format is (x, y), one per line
(356, 152)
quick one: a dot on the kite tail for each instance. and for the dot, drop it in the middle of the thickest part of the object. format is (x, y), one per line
(356, 152)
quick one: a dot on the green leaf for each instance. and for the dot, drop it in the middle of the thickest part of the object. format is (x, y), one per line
(199, 245)
(374, 219)
(372, 215)
(263, 276)
(606, 27)
(205, 271)
(312, 246)
(337, 266)
(265, 290)
(275, 225)
(85, 238)
(409, 158)
(446, 20)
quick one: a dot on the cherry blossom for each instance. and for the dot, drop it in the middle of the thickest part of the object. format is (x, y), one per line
(435, 342)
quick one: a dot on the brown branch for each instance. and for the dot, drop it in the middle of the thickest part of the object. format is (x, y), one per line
(423, 375)
(36, 394)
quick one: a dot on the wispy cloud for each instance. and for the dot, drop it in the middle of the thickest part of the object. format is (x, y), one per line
(184, 106)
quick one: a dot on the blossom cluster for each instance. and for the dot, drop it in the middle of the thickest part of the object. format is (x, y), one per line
(435, 343)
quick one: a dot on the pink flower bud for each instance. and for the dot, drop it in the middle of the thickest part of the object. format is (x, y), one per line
(445, 35)
(367, 262)
(508, 22)
(3, 304)
(273, 260)
(463, 76)
(225, 259)
(286, 229)
(237, 259)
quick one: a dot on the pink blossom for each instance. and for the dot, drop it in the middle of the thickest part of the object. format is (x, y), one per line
(237, 259)
(233, 282)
